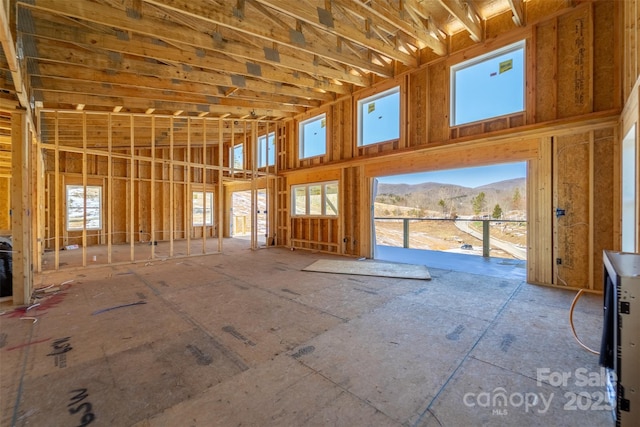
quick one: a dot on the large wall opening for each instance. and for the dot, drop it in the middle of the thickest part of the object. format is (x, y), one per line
(478, 211)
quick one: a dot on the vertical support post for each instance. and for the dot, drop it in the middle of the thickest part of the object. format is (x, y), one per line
(254, 184)
(56, 197)
(132, 199)
(221, 198)
(20, 210)
(84, 189)
(204, 186)
(153, 187)
(171, 190)
(592, 197)
(110, 195)
(486, 244)
(405, 233)
(189, 197)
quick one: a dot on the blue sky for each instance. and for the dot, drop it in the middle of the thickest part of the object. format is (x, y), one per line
(489, 88)
(467, 177)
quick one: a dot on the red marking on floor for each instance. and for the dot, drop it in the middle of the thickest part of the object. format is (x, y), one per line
(27, 344)
(45, 305)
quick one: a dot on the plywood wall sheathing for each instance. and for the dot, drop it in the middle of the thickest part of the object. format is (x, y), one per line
(603, 199)
(575, 39)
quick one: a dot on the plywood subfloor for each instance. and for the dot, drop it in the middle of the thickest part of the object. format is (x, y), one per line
(247, 338)
(370, 268)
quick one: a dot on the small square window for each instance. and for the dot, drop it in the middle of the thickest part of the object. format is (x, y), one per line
(379, 117)
(488, 86)
(313, 137)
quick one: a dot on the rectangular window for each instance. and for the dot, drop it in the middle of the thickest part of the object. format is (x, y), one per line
(267, 150)
(236, 157)
(299, 200)
(317, 199)
(313, 137)
(379, 117)
(202, 205)
(331, 199)
(84, 210)
(488, 86)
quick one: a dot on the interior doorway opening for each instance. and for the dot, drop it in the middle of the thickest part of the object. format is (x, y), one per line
(241, 220)
(472, 211)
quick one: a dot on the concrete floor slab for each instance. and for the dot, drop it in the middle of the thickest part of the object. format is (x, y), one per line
(482, 394)
(395, 357)
(246, 338)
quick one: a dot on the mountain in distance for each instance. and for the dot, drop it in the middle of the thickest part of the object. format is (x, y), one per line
(426, 197)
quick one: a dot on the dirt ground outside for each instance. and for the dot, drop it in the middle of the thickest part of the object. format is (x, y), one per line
(443, 235)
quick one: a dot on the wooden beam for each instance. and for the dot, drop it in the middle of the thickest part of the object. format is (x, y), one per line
(464, 12)
(277, 94)
(11, 54)
(20, 210)
(416, 28)
(517, 8)
(55, 99)
(211, 13)
(90, 88)
(323, 19)
(213, 57)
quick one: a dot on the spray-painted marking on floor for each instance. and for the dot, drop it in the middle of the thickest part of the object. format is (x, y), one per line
(232, 331)
(455, 335)
(201, 357)
(303, 351)
(60, 348)
(507, 340)
(84, 408)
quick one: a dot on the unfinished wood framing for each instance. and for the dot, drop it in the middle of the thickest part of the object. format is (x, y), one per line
(151, 142)
(21, 200)
(148, 191)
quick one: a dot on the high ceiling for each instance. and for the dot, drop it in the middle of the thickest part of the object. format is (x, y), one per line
(267, 59)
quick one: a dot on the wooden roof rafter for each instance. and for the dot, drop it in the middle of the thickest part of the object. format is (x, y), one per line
(252, 25)
(464, 11)
(517, 9)
(300, 53)
(173, 32)
(141, 48)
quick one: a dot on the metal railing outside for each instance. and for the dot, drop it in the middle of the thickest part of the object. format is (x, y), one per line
(485, 236)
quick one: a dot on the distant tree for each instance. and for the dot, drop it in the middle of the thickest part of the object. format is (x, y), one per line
(478, 203)
(443, 205)
(497, 212)
(517, 199)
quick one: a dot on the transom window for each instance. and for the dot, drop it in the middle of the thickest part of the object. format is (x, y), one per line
(313, 136)
(379, 117)
(267, 150)
(488, 86)
(84, 209)
(317, 199)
